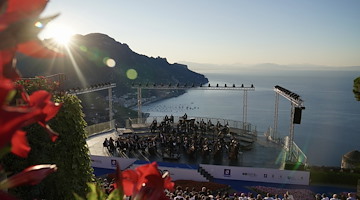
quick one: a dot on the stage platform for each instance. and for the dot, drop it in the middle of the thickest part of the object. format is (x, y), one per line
(264, 154)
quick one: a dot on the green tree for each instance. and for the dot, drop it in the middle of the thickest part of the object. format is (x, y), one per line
(356, 89)
(69, 152)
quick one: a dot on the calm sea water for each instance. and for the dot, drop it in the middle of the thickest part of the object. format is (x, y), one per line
(330, 123)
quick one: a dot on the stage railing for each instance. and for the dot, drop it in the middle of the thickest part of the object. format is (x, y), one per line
(295, 154)
(100, 127)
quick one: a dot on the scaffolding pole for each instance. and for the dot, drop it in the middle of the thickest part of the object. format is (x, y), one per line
(291, 134)
(276, 118)
(139, 102)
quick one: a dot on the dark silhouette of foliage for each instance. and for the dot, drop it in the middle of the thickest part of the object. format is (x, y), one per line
(356, 89)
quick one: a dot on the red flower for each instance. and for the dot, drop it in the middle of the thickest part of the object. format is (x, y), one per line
(42, 100)
(30, 176)
(17, 10)
(39, 109)
(145, 182)
(19, 144)
(12, 119)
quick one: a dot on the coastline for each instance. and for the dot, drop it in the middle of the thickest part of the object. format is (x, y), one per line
(159, 98)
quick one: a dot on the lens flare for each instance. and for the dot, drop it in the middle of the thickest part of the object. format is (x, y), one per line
(109, 62)
(61, 33)
(131, 74)
(83, 48)
(39, 24)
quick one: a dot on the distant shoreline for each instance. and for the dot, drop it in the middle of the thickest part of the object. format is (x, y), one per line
(157, 99)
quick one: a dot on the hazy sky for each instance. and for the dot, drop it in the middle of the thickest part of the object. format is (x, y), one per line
(320, 32)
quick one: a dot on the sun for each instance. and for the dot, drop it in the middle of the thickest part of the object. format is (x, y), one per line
(60, 33)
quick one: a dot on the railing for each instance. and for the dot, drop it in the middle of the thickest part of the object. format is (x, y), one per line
(100, 127)
(295, 154)
(299, 154)
(273, 137)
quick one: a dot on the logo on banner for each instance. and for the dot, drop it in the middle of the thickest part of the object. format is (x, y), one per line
(227, 172)
(113, 163)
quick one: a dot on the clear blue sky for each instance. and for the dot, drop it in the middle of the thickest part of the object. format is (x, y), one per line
(320, 32)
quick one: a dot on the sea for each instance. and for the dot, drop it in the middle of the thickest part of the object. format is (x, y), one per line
(330, 122)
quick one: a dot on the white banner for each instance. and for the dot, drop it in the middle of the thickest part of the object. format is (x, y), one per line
(258, 174)
(217, 171)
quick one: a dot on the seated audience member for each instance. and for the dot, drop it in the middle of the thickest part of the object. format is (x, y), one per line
(335, 197)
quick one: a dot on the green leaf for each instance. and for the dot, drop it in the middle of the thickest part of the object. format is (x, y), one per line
(77, 197)
(95, 193)
(5, 150)
(116, 195)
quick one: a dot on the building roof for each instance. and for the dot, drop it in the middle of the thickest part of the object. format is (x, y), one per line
(353, 156)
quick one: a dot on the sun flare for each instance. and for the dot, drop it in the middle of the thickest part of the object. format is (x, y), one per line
(61, 34)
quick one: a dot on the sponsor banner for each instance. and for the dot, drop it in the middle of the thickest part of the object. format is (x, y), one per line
(217, 171)
(110, 162)
(258, 174)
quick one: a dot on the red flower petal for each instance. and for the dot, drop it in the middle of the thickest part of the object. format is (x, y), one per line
(129, 181)
(6, 64)
(18, 9)
(29, 6)
(36, 49)
(152, 188)
(118, 178)
(145, 171)
(12, 119)
(30, 176)
(39, 99)
(52, 134)
(51, 109)
(168, 184)
(19, 144)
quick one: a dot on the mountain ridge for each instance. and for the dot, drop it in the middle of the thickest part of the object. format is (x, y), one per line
(86, 65)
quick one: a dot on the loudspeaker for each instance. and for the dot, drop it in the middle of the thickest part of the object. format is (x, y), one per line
(297, 115)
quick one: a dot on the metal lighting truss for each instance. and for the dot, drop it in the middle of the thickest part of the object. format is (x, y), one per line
(295, 101)
(185, 86)
(94, 88)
